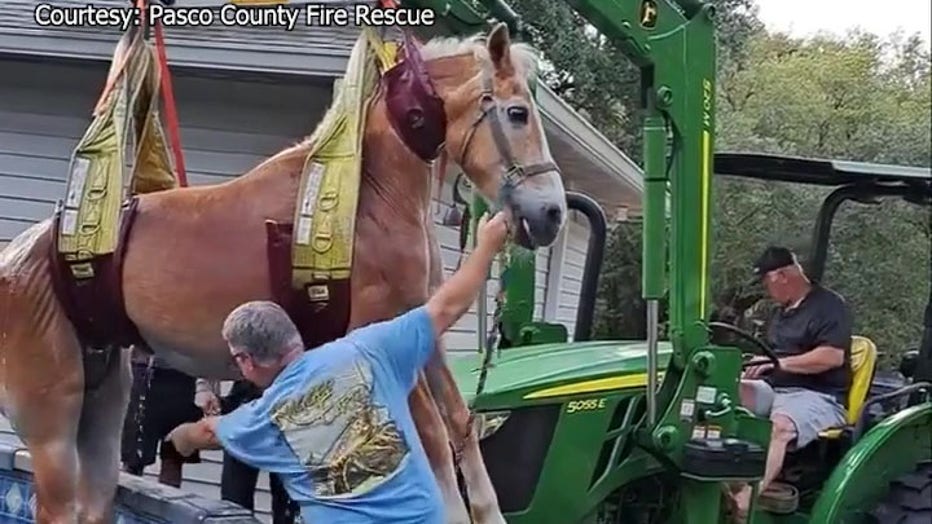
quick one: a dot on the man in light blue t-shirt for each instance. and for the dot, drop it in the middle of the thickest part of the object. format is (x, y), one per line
(334, 422)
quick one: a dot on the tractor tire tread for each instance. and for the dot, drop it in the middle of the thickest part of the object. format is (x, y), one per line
(909, 500)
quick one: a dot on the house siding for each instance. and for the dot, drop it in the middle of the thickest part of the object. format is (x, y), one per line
(308, 49)
(570, 281)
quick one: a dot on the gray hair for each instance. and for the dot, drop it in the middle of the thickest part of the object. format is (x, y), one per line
(263, 330)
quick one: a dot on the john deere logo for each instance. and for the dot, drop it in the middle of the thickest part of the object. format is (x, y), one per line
(648, 14)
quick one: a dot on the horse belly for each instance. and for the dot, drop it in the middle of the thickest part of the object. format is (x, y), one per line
(182, 280)
(214, 364)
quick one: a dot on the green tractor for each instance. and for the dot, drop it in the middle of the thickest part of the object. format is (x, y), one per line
(649, 431)
(560, 424)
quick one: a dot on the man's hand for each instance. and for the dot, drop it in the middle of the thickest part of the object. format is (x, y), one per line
(491, 233)
(208, 402)
(759, 368)
(192, 436)
(453, 298)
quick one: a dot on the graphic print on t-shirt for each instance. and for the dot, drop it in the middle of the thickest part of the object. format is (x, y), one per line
(347, 440)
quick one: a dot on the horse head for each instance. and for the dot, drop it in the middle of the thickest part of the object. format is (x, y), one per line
(494, 130)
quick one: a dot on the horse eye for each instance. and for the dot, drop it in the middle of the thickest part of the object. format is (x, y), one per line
(518, 114)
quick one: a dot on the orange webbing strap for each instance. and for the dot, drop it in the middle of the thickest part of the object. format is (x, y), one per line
(441, 172)
(171, 112)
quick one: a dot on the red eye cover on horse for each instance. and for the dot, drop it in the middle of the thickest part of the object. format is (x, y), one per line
(415, 111)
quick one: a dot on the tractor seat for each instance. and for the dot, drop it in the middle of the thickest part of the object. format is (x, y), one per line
(863, 361)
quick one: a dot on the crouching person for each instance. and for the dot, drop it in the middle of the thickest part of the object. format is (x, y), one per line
(161, 398)
(334, 422)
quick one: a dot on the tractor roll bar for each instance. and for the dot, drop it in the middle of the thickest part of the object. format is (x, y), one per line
(860, 427)
(593, 266)
(822, 232)
(822, 229)
(924, 364)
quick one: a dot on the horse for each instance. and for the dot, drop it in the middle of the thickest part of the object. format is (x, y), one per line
(195, 253)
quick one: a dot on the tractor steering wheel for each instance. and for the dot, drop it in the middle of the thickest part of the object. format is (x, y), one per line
(765, 349)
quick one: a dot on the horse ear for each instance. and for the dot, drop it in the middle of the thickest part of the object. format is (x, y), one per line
(499, 44)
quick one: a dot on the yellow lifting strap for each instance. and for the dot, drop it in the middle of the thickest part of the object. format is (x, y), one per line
(325, 215)
(101, 177)
(153, 169)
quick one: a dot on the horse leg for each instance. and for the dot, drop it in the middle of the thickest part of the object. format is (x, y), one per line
(434, 438)
(483, 501)
(46, 389)
(99, 440)
(54, 466)
(54, 458)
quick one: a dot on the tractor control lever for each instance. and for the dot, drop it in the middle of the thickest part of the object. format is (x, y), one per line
(725, 405)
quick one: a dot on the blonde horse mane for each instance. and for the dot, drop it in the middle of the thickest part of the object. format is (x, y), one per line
(523, 56)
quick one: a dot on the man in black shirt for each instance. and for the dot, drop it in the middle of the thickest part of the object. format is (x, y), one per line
(811, 333)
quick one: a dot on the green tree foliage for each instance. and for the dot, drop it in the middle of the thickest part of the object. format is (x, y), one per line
(855, 97)
(587, 70)
(584, 69)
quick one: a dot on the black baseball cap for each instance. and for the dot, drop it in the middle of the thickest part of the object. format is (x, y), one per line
(774, 257)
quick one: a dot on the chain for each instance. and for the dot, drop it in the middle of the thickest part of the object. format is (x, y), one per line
(139, 419)
(493, 337)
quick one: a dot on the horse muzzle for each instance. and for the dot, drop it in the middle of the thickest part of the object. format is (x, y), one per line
(536, 219)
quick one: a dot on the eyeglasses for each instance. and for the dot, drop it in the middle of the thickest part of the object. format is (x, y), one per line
(240, 356)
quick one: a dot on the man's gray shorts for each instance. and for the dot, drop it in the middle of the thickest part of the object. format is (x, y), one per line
(810, 411)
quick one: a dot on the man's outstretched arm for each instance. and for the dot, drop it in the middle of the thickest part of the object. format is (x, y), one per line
(193, 436)
(407, 341)
(454, 297)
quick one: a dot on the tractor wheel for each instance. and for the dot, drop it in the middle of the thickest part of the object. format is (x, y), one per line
(909, 500)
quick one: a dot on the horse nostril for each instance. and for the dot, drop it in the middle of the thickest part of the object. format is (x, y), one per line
(554, 214)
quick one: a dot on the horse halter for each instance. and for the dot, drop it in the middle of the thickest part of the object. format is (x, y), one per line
(489, 107)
